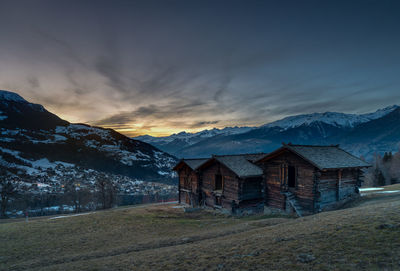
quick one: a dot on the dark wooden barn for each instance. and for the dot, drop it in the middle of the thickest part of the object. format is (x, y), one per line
(309, 179)
(232, 182)
(295, 178)
(189, 181)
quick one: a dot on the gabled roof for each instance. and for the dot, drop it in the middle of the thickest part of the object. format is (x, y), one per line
(322, 157)
(241, 164)
(192, 163)
(253, 156)
(195, 163)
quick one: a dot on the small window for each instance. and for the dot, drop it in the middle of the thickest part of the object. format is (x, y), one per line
(291, 176)
(218, 182)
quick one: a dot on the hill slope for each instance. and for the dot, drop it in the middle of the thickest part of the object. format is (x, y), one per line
(17, 113)
(36, 144)
(379, 135)
(365, 237)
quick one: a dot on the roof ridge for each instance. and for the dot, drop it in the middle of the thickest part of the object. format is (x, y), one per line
(240, 154)
(300, 145)
(359, 158)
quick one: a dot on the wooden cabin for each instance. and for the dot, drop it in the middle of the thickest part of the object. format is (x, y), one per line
(189, 181)
(296, 178)
(232, 183)
(309, 179)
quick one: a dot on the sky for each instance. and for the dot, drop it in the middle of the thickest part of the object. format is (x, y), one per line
(161, 67)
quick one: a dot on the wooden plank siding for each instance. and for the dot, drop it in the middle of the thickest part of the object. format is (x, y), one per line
(276, 181)
(337, 185)
(188, 186)
(236, 192)
(272, 178)
(230, 187)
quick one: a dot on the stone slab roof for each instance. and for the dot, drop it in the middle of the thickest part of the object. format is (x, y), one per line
(194, 163)
(325, 157)
(241, 164)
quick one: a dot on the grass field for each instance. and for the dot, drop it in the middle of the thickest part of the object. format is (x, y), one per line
(365, 236)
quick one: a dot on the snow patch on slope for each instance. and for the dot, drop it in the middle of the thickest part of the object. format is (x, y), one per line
(77, 131)
(31, 167)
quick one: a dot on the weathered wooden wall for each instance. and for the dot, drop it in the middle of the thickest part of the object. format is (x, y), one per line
(275, 183)
(336, 185)
(188, 186)
(230, 191)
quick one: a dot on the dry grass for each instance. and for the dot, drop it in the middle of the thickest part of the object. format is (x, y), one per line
(365, 237)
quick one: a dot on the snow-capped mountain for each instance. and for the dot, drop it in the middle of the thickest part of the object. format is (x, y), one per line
(194, 137)
(183, 139)
(316, 128)
(36, 144)
(331, 118)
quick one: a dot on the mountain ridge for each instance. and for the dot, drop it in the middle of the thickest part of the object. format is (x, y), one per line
(315, 128)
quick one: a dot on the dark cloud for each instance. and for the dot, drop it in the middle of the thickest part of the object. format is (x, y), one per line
(33, 82)
(173, 110)
(60, 45)
(223, 88)
(112, 71)
(201, 124)
(192, 64)
(116, 120)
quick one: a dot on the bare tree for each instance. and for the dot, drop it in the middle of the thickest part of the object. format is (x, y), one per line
(77, 195)
(8, 190)
(106, 191)
(83, 197)
(101, 186)
(385, 170)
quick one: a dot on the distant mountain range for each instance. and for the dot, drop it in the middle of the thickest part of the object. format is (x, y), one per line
(175, 142)
(362, 134)
(36, 144)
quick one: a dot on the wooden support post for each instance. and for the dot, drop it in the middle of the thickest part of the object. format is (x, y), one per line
(264, 187)
(179, 189)
(316, 197)
(338, 184)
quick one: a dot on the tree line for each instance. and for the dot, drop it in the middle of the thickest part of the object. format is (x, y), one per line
(19, 197)
(385, 170)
